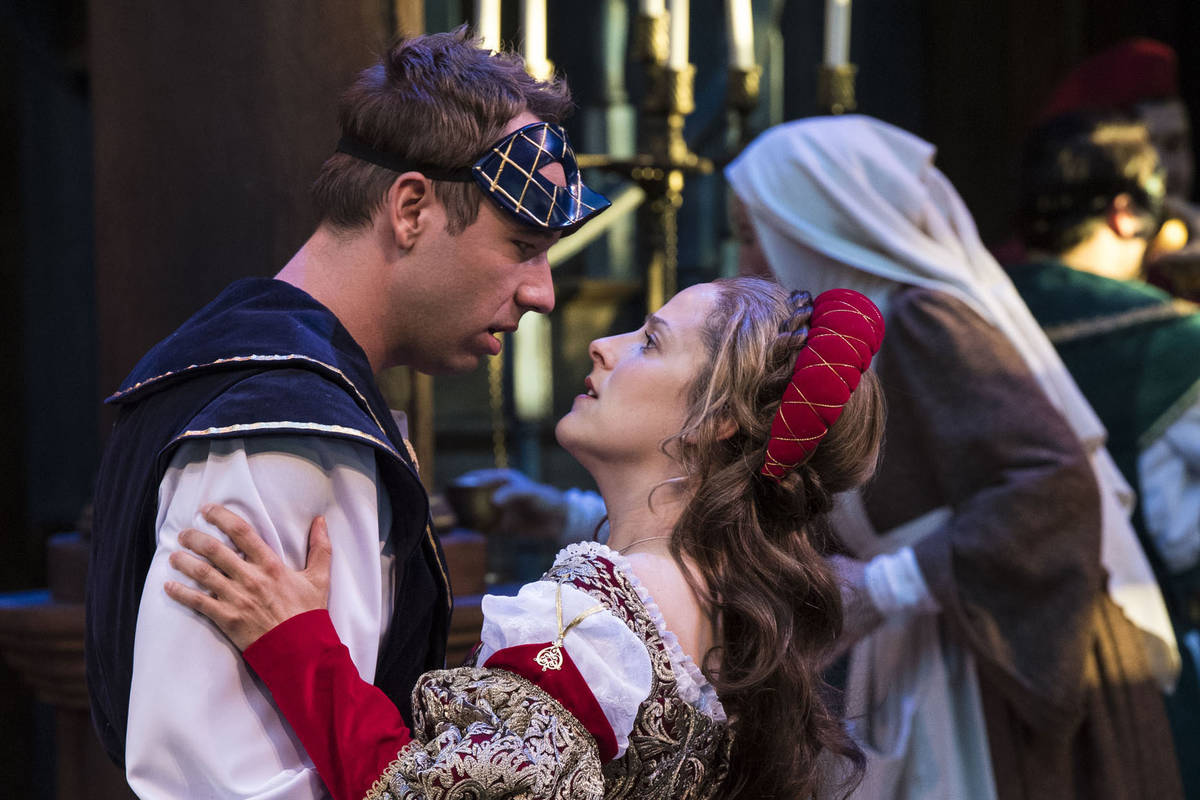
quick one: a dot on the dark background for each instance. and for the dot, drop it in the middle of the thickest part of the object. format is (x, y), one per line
(150, 152)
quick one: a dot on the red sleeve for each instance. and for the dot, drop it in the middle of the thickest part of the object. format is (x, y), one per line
(566, 685)
(351, 730)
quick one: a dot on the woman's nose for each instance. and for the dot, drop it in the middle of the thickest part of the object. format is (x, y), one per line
(601, 351)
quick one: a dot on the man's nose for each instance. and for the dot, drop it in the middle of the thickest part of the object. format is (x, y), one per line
(536, 292)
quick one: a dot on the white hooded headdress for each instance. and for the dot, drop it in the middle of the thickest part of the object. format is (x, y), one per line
(853, 201)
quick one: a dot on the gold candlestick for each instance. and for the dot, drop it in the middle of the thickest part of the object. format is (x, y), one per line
(741, 98)
(660, 170)
(651, 39)
(743, 90)
(670, 99)
(543, 71)
(835, 88)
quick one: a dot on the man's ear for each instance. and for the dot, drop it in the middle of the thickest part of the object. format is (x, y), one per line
(407, 206)
(1122, 217)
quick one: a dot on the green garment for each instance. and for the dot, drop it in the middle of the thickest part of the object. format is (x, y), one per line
(1133, 350)
(1135, 353)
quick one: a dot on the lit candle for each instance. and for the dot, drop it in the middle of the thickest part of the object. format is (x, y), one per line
(533, 373)
(678, 58)
(533, 20)
(652, 8)
(487, 23)
(837, 32)
(739, 23)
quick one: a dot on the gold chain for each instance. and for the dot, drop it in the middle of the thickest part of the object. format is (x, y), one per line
(551, 657)
(636, 542)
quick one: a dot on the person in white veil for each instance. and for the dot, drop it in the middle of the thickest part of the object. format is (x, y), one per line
(1008, 639)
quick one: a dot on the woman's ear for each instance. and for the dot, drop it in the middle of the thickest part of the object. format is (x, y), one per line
(407, 204)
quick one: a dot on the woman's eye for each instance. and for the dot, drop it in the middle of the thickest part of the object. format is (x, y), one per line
(649, 343)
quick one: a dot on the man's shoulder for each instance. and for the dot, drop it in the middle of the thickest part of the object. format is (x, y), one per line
(253, 324)
(289, 401)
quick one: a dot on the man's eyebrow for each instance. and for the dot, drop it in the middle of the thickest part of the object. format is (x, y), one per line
(516, 226)
(547, 237)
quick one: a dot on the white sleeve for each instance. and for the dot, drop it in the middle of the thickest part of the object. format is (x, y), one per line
(611, 658)
(896, 585)
(200, 724)
(1169, 478)
(585, 517)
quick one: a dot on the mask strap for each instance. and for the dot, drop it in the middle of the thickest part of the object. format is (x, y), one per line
(353, 146)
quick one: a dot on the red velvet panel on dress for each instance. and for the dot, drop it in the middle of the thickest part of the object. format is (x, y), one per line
(566, 685)
(349, 728)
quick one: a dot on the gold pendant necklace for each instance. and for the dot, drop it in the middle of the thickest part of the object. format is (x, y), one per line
(636, 542)
(551, 656)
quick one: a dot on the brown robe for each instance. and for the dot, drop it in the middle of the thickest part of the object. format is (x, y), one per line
(1071, 708)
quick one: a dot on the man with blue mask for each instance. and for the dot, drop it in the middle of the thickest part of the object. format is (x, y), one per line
(265, 401)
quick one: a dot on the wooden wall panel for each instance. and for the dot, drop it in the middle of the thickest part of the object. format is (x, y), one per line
(211, 120)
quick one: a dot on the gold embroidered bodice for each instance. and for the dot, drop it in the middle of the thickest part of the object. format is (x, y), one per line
(482, 733)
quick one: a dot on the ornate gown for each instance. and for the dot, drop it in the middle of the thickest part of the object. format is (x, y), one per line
(577, 690)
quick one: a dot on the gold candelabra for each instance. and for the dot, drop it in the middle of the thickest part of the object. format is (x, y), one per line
(835, 88)
(665, 159)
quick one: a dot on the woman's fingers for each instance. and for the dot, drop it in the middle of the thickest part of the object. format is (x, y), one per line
(222, 556)
(246, 597)
(196, 600)
(202, 572)
(320, 554)
(241, 533)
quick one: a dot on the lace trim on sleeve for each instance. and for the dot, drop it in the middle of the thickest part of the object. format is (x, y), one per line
(691, 685)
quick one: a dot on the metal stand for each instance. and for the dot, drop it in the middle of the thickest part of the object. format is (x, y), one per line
(835, 88)
(665, 160)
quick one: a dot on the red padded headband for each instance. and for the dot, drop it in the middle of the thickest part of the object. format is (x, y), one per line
(844, 332)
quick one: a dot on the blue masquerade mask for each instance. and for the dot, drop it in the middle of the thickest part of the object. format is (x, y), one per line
(511, 173)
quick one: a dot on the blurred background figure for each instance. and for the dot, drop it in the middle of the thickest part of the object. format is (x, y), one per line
(1140, 78)
(1091, 202)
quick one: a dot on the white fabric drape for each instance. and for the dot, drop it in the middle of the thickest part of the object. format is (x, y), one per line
(852, 201)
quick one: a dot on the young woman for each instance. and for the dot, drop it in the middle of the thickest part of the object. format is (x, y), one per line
(680, 660)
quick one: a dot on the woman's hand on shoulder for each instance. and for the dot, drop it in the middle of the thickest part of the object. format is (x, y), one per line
(248, 591)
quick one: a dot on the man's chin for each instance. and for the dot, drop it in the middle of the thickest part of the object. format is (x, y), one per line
(457, 364)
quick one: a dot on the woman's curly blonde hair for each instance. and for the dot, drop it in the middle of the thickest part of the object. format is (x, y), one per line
(760, 545)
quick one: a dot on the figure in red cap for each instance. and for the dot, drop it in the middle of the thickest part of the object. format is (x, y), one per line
(1140, 78)
(1091, 200)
